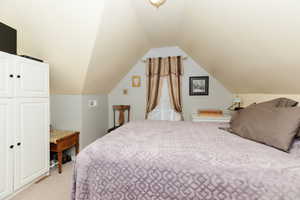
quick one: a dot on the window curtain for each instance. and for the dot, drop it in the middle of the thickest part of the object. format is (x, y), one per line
(164, 110)
(159, 71)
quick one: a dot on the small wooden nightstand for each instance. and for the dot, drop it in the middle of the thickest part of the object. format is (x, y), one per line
(62, 140)
(215, 119)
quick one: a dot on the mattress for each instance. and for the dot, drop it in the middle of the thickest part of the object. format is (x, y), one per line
(148, 160)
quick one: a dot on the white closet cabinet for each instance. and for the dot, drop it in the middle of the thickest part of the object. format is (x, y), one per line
(21, 77)
(32, 144)
(6, 151)
(7, 70)
(32, 78)
(24, 122)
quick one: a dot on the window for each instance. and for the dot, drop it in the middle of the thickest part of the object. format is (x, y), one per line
(164, 110)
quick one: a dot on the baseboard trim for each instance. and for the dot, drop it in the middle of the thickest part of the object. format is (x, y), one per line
(37, 180)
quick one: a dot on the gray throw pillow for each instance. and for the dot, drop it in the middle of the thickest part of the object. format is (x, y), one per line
(275, 127)
(279, 103)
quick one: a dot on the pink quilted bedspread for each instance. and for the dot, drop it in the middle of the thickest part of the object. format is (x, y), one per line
(149, 160)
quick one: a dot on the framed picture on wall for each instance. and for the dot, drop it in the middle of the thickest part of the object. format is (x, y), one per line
(136, 81)
(199, 86)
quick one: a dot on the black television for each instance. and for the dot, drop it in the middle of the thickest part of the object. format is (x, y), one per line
(8, 39)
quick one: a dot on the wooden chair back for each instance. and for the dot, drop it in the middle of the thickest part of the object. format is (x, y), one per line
(121, 109)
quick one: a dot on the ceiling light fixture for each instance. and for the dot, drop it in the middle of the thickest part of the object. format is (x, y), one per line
(157, 3)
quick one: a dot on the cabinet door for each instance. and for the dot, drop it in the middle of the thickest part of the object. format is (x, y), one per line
(7, 67)
(6, 153)
(32, 78)
(32, 139)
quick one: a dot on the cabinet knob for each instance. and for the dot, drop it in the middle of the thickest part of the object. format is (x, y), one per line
(11, 75)
(19, 76)
(11, 146)
(19, 143)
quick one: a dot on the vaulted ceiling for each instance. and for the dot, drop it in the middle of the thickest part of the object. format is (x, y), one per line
(250, 46)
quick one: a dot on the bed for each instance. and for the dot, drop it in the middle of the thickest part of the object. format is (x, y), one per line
(149, 160)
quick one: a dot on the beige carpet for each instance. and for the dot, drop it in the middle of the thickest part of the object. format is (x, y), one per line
(56, 186)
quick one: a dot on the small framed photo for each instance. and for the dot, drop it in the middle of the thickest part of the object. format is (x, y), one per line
(199, 86)
(136, 81)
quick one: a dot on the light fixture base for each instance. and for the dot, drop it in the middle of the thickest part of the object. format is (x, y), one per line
(157, 3)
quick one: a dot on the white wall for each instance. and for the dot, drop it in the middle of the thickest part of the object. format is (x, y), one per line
(94, 119)
(71, 112)
(219, 97)
(65, 112)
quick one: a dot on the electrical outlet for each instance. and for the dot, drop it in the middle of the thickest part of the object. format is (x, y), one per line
(93, 103)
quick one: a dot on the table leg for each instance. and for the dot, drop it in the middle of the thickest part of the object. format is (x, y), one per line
(59, 155)
(77, 147)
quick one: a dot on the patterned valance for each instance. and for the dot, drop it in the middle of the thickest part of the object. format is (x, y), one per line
(164, 66)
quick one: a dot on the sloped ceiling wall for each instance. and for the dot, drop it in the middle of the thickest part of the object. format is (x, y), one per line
(120, 43)
(162, 26)
(250, 46)
(62, 32)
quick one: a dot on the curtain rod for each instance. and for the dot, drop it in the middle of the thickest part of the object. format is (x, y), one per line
(184, 58)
